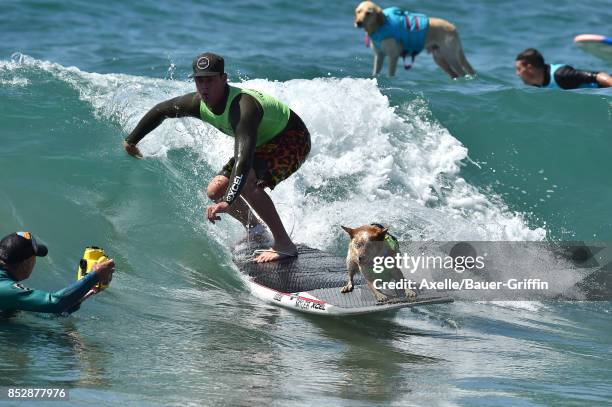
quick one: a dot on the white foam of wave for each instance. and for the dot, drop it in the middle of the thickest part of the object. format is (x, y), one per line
(369, 161)
(532, 306)
(8, 77)
(15, 82)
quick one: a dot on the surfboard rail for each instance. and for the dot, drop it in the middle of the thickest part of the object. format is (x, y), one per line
(312, 282)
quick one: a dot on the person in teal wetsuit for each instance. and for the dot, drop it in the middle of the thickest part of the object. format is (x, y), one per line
(530, 67)
(18, 252)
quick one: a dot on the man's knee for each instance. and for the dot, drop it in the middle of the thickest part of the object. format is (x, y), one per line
(217, 187)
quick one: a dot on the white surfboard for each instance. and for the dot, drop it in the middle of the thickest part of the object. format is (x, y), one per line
(312, 281)
(598, 45)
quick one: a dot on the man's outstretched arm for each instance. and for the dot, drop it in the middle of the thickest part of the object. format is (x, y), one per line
(182, 106)
(604, 80)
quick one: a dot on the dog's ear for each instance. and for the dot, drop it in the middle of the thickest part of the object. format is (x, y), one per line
(380, 235)
(350, 231)
(380, 16)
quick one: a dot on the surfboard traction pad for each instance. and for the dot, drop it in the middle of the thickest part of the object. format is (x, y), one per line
(321, 275)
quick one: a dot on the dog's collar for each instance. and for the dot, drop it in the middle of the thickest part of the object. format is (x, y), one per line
(390, 240)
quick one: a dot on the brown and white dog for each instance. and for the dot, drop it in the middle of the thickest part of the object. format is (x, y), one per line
(441, 40)
(368, 242)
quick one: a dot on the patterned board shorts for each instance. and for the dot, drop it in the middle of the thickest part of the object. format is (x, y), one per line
(277, 159)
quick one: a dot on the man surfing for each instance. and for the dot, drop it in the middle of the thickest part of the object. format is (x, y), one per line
(271, 143)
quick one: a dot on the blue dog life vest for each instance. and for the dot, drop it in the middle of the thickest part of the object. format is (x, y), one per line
(409, 29)
(553, 83)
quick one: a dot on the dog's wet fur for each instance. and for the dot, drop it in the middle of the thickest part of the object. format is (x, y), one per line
(441, 40)
(368, 242)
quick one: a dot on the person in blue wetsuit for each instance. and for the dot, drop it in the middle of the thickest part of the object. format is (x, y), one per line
(18, 252)
(530, 67)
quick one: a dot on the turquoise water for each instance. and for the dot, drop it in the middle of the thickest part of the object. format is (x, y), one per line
(482, 159)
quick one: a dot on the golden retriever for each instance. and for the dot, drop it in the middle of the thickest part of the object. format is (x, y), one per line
(441, 40)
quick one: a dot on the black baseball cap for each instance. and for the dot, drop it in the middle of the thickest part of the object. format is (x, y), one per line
(20, 246)
(208, 64)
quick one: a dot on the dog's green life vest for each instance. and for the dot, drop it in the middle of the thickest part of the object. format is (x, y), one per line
(391, 245)
(391, 242)
(274, 120)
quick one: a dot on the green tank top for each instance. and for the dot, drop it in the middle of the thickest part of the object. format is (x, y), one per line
(274, 120)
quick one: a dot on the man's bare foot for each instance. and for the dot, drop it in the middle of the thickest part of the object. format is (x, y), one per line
(275, 254)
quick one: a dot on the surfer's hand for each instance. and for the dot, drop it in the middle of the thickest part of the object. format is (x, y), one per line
(213, 210)
(104, 270)
(131, 149)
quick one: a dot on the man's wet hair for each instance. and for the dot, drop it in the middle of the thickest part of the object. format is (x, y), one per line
(531, 56)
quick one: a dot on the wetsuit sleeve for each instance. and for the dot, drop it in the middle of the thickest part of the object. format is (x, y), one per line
(18, 297)
(569, 78)
(183, 106)
(245, 116)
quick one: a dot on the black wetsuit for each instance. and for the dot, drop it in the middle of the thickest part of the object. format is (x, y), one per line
(243, 107)
(569, 78)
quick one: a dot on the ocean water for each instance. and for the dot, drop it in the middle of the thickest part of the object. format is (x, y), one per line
(482, 158)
